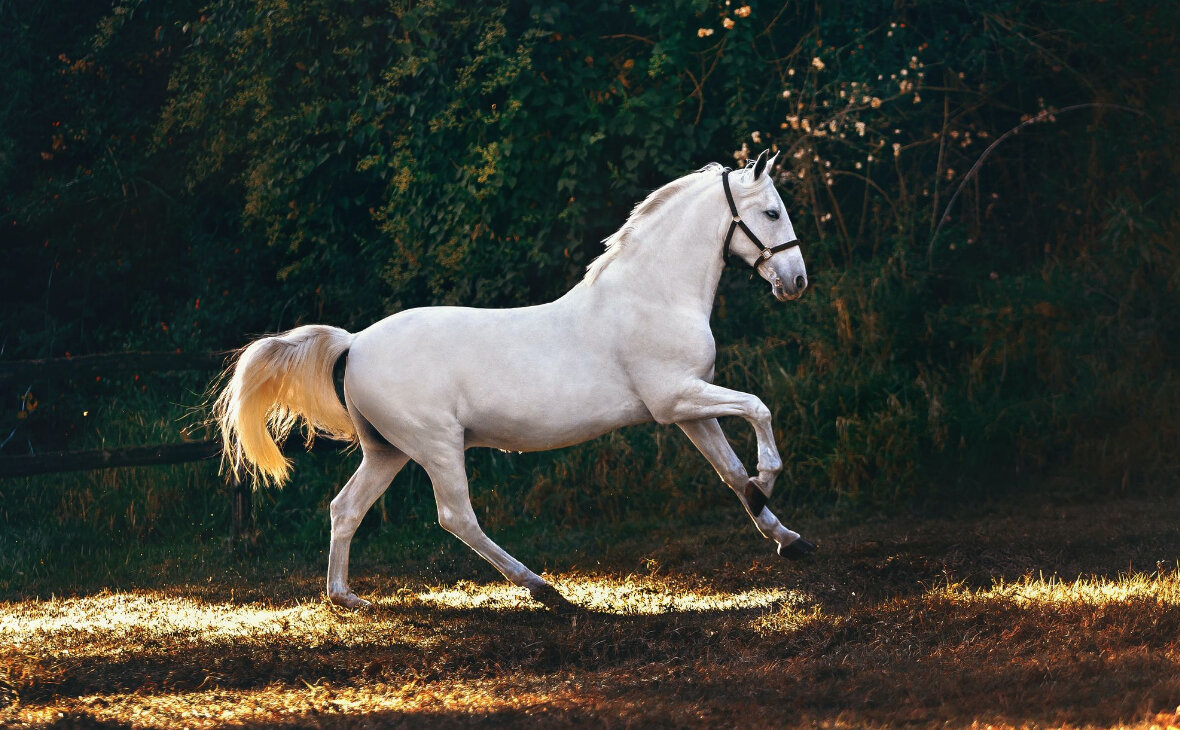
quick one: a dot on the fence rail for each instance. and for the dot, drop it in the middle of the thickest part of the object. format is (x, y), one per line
(26, 371)
(16, 371)
(52, 462)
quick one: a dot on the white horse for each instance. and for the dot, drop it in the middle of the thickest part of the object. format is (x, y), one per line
(629, 344)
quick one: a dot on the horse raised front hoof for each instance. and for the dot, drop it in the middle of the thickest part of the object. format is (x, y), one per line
(796, 550)
(548, 596)
(350, 600)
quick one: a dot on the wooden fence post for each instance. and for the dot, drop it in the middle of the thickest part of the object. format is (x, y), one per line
(240, 500)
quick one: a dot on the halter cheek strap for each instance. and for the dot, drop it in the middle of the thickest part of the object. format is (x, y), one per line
(766, 251)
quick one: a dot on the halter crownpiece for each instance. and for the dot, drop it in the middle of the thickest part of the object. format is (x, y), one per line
(765, 252)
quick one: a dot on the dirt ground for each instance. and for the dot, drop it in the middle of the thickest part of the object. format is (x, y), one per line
(1016, 617)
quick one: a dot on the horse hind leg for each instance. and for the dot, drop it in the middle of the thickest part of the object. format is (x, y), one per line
(448, 475)
(380, 465)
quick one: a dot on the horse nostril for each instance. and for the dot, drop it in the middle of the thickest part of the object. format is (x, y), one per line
(800, 283)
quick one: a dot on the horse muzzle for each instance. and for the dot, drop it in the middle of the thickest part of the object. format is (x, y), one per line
(788, 289)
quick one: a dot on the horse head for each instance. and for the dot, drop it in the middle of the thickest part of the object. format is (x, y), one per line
(769, 244)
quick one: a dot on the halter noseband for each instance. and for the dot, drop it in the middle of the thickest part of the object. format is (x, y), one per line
(766, 252)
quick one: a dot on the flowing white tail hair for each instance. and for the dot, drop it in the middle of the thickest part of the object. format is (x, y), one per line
(274, 383)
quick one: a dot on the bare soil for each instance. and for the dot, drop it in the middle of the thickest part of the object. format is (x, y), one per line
(1018, 617)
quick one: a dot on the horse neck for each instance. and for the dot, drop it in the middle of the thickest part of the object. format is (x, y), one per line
(674, 257)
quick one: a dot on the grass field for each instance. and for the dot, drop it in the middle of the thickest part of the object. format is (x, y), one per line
(1012, 617)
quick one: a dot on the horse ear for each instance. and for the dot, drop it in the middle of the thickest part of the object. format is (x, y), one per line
(760, 166)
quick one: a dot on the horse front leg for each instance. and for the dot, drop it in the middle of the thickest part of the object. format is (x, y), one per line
(702, 400)
(708, 437)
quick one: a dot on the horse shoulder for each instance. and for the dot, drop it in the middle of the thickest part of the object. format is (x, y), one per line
(666, 361)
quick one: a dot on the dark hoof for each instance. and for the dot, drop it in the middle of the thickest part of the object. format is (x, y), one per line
(548, 596)
(796, 550)
(755, 499)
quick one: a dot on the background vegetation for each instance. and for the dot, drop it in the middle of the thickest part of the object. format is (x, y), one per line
(182, 175)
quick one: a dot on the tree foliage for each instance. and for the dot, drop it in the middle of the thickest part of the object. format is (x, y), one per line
(179, 175)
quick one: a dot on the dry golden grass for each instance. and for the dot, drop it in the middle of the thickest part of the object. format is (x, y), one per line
(1063, 617)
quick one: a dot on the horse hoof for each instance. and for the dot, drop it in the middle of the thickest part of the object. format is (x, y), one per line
(796, 550)
(351, 601)
(548, 596)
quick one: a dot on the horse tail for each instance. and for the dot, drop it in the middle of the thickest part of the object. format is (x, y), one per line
(274, 383)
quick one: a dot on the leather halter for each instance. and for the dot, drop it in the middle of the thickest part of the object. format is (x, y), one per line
(766, 252)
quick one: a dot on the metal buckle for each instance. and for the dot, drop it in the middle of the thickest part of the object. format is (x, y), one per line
(737, 219)
(766, 254)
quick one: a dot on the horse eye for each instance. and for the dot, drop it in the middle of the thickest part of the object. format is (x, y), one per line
(772, 215)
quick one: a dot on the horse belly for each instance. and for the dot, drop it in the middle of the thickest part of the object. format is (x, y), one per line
(530, 419)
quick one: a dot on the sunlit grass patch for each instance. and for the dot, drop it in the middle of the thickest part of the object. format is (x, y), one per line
(626, 596)
(150, 614)
(118, 626)
(790, 619)
(1163, 587)
(632, 595)
(278, 705)
(468, 595)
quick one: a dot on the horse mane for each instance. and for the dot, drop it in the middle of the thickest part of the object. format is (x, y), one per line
(617, 241)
